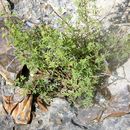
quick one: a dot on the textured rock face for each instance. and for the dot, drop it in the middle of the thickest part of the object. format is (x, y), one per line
(58, 117)
(113, 113)
(4, 7)
(114, 15)
(61, 116)
(116, 123)
(47, 11)
(114, 12)
(120, 79)
(9, 64)
(116, 115)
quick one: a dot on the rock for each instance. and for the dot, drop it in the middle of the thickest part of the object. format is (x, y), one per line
(9, 67)
(110, 13)
(4, 7)
(116, 123)
(6, 123)
(60, 114)
(14, 103)
(88, 115)
(58, 117)
(117, 107)
(47, 11)
(118, 85)
(112, 114)
(9, 64)
(119, 80)
(113, 12)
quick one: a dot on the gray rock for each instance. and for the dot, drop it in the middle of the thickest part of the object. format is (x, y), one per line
(4, 7)
(38, 11)
(87, 116)
(58, 117)
(6, 123)
(113, 11)
(61, 116)
(114, 112)
(122, 123)
(9, 64)
(119, 80)
(110, 13)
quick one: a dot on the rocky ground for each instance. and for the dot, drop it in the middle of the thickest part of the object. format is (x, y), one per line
(112, 114)
(107, 115)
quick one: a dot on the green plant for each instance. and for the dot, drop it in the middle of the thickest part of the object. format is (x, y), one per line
(62, 64)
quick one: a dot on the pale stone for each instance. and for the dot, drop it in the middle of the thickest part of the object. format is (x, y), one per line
(4, 7)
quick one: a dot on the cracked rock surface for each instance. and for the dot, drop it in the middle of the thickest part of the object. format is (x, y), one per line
(110, 13)
(45, 11)
(110, 114)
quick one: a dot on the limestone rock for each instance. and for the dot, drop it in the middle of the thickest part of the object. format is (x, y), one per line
(114, 13)
(45, 11)
(4, 7)
(58, 117)
(9, 64)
